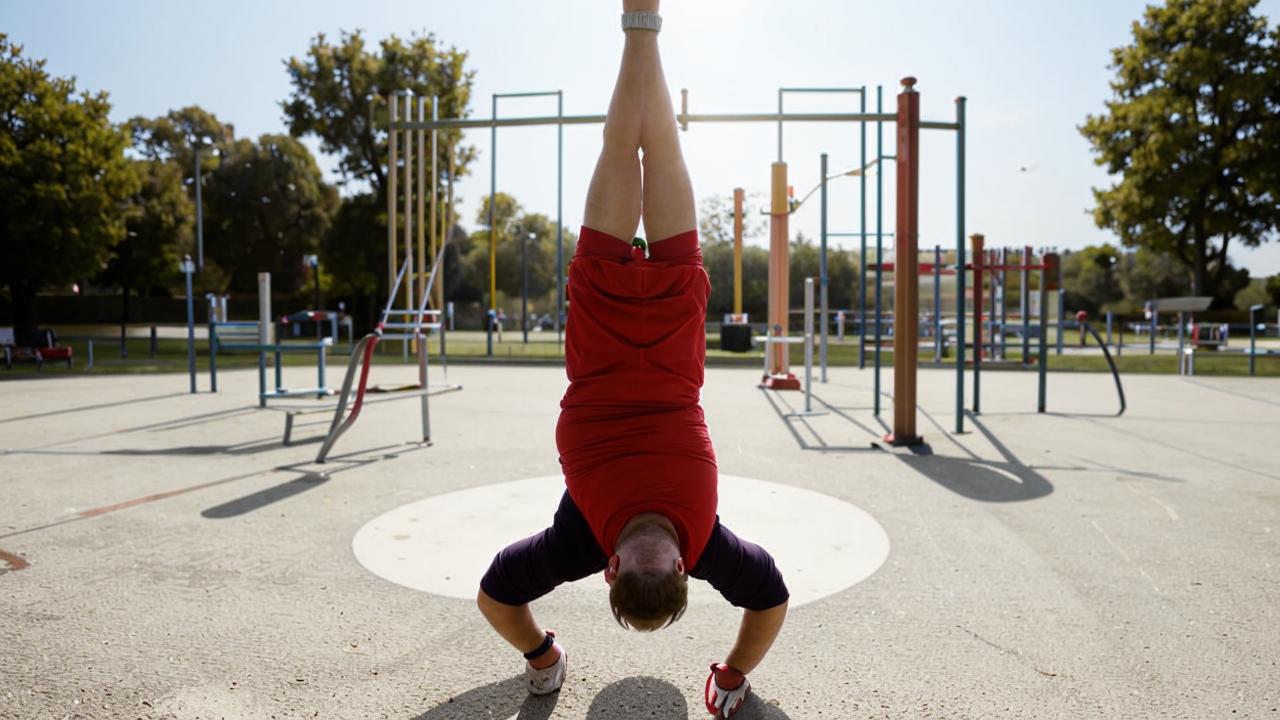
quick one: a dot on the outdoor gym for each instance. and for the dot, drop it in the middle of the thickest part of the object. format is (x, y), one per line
(731, 388)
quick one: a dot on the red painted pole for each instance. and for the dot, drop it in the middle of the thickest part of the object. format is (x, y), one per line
(906, 306)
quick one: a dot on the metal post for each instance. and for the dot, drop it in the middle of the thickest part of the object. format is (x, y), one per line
(199, 215)
(1004, 299)
(90, 365)
(152, 345)
(822, 272)
(738, 197)
(187, 269)
(960, 264)
(393, 185)
(937, 304)
(489, 317)
(979, 264)
(1181, 342)
(1043, 360)
(808, 345)
(1253, 336)
(1024, 302)
(1062, 318)
(1109, 318)
(264, 336)
(433, 220)
(493, 231)
(1155, 315)
(559, 213)
(879, 246)
(862, 221)
(524, 289)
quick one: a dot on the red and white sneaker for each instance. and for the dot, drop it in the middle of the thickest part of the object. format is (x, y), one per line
(724, 703)
(547, 680)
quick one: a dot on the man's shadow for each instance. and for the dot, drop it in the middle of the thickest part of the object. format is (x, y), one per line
(633, 697)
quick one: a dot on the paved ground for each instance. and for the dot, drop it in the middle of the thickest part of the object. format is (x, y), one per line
(182, 564)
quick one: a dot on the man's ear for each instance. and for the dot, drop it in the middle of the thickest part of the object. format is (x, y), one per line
(680, 566)
(611, 570)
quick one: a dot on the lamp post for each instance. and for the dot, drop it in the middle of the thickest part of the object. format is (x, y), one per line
(313, 261)
(197, 143)
(524, 288)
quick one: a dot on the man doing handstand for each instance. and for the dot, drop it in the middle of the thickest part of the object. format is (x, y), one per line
(640, 471)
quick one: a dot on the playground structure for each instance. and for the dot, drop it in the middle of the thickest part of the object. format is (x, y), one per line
(908, 122)
(263, 337)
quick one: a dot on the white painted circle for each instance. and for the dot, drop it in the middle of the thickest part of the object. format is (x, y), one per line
(443, 544)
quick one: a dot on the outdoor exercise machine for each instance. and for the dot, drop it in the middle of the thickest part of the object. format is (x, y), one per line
(261, 336)
(419, 323)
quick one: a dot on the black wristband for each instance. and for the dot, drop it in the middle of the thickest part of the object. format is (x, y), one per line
(547, 642)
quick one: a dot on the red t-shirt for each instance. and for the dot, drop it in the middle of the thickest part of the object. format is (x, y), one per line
(631, 435)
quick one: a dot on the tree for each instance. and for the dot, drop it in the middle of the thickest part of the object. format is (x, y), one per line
(64, 182)
(340, 93)
(1090, 278)
(1273, 289)
(1191, 131)
(172, 137)
(159, 223)
(1148, 274)
(339, 96)
(514, 226)
(269, 205)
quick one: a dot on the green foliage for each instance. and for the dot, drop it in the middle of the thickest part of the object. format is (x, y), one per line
(340, 96)
(1090, 277)
(514, 227)
(1273, 289)
(158, 230)
(64, 181)
(1148, 274)
(268, 205)
(1191, 131)
(174, 136)
(715, 219)
(1255, 293)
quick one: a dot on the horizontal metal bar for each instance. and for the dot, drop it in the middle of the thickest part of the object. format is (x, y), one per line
(462, 124)
(527, 94)
(822, 90)
(936, 125)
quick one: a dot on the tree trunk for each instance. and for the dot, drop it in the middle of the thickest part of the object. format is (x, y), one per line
(24, 313)
(1199, 275)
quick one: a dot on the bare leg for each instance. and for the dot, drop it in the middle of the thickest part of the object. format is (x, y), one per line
(613, 197)
(668, 205)
(640, 117)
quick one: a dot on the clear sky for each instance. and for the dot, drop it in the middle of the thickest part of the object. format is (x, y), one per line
(1032, 71)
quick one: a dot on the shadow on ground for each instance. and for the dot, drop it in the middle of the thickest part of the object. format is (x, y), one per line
(506, 699)
(1005, 480)
(626, 699)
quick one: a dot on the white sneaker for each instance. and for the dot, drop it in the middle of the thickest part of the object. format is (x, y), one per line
(547, 680)
(724, 703)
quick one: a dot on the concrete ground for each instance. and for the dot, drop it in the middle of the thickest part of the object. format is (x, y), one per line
(163, 556)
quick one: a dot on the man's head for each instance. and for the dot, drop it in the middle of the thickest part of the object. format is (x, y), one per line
(648, 588)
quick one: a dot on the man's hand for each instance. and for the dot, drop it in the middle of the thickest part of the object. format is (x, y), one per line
(726, 691)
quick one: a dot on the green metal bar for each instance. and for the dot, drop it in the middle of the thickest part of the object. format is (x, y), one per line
(879, 248)
(862, 258)
(960, 263)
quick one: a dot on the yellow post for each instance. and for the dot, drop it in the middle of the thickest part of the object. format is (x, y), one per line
(408, 206)
(737, 250)
(779, 279)
(392, 191)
